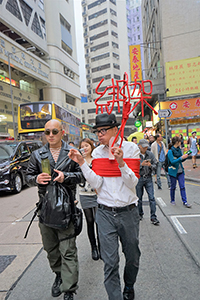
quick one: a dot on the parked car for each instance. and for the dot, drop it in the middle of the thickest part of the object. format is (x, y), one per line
(14, 157)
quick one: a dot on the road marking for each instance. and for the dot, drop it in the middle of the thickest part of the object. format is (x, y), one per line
(178, 225)
(187, 182)
(161, 202)
(188, 216)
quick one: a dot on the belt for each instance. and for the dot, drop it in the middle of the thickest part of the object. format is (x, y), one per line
(117, 209)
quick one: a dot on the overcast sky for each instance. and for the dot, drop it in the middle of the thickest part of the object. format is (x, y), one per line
(80, 44)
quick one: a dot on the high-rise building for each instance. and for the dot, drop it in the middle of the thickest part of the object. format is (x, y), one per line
(171, 34)
(106, 51)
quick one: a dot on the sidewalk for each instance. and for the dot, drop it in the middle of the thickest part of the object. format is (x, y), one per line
(190, 173)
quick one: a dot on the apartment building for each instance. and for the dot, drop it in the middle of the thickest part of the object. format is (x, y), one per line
(171, 31)
(106, 51)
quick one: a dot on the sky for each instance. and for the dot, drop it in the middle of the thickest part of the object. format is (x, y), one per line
(80, 45)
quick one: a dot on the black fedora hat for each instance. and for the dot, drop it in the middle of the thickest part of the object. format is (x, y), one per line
(106, 120)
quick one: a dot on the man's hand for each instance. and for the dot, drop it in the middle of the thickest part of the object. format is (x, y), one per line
(43, 178)
(60, 178)
(118, 155)
(146, 163)
(76, 156)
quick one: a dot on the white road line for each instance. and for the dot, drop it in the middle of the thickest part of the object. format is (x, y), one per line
(178, 225)
(188, 216)
(161, 202)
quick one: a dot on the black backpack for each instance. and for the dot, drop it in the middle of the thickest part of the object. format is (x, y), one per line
(166, 163)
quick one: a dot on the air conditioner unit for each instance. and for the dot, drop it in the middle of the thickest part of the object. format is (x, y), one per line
(91, 43)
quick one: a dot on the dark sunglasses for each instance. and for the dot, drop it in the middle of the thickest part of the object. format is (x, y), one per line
(102, 131)
(54, 131)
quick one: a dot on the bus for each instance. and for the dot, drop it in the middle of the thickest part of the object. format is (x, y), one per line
(33, 116)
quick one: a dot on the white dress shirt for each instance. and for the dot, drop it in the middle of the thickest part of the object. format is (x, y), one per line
(114, 191)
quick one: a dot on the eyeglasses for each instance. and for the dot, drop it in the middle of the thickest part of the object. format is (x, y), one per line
(54, 131)
(102, 131)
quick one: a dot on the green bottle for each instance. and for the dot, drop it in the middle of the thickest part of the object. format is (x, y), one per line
(46, 166)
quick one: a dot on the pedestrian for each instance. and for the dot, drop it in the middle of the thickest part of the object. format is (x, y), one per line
(176, 170)
(58, 243)
(148, 165)
(151, 139)
(159, 150)
(117, 215)
(192, 145)
(134, 139)
(88, 198)
(71, 144)
(182, 147)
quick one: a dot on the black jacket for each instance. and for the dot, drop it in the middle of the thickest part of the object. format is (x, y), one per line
(71, 170)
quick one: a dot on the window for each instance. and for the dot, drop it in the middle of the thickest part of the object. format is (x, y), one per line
(100, 46)
(113, 23)
(96, 3)
(115, 45)
(98, 24)
(97, 14)
(66, 37)
(36, 26)
(114, 34)
(116, 77)
(98, 79)
(100, 68)
(41, 4)
(26, 10)
(116, 66)
(97, 36)
(13, 8)
(113, 2)
(115, 55)
(113, 12)
(99, 57)
(69, 99)
(91, 110)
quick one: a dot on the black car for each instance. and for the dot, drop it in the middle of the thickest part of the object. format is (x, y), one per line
(14, 157)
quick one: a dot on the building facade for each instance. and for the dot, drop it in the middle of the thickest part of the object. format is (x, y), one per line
(171, 31)
(106, 51)
(42, 56)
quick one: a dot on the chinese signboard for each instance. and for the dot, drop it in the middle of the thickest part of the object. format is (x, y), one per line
(180, 108)
(183, 77)
(135, 62)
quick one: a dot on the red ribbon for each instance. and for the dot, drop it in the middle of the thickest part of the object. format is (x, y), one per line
(106, 167)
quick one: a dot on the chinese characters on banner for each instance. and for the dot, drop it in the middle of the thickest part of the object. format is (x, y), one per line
(121, 93)
(135, 62)
(181, 108)
(183, 77)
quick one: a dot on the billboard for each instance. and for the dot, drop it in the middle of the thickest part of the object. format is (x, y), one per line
(185, 108)
(135, 62)
(183, 77)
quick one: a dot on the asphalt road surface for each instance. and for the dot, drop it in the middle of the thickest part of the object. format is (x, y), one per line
(168, 267)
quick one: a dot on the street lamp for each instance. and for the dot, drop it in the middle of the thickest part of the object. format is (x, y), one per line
(11, 93)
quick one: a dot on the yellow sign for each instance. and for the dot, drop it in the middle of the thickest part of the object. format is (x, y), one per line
(135, 62)
(183, 77)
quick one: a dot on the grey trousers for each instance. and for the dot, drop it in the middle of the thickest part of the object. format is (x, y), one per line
(113, 227)
(62, 255)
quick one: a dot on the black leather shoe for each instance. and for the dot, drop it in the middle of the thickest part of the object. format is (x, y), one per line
(129, 294)
(55, 291)
(95, 253)
(68, 296)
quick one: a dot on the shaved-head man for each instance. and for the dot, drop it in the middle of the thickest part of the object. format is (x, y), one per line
(60, 245)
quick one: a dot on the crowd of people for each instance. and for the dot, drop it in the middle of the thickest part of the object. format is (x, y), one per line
(110, 182)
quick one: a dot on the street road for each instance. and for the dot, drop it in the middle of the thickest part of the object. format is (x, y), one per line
(168, 268)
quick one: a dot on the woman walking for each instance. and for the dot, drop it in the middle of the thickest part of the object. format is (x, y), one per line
(192, 143)
(176, 170)
(88, 198)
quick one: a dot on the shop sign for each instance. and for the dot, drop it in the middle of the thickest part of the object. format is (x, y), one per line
(182, 77)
